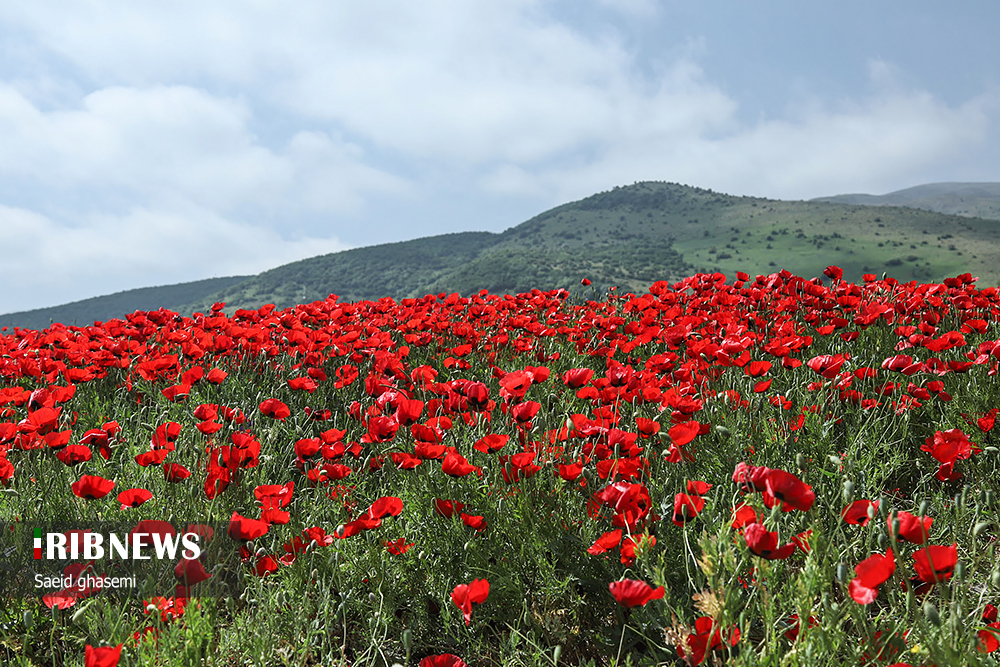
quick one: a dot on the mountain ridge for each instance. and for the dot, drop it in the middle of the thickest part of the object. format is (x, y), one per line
(967, 199)
(629, 237)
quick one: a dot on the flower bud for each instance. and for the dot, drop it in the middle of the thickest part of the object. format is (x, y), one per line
(931, 613)
(848, 491)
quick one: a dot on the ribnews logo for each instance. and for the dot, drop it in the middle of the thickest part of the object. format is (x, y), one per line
(88, 545)
(64, 561)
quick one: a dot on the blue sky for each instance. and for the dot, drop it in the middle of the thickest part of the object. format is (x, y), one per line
(147, 143)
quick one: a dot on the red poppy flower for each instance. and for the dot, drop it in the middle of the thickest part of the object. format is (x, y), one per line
(6, 470)
(216, 376)
(190, 571)
(274, 408)
(491, 443)
(242, 528)
(265, 566)
(465, 595)
(872, 572)
(405, 461)
(474, 521)
(743, 516)
(911, 528)
(683, 433)
(303, 384)
(101, 656)
(92, 487)
(631, 543)
(935, 563)
(569, 471)
(385, 507)
(698, 488)
(989, 637)
(101, 438)
(525, 412)
(792, 633)
(765, 543)
(633, 593)
(605, 542)
(208, 428)
(274, 495)
(206, 412)
(447, 508)
(827, 365)
(442, 660)
(833, 272)
(686, 508)
(152, 457)
(177, 393)
(454, 464)
(515, 384)
(857, 512)
(631, 502)
(789, 489)
(750, 478)
(382, 428)
(271, 515)
(575, 378)
(74, 454)
(706, 636)
(175, 472)
(165, 436)
(397, 547)
(947, 446)
(133, 497)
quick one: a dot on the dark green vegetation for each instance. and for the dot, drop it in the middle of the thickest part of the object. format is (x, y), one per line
(104, 308)
(629, 237)
(974, 200)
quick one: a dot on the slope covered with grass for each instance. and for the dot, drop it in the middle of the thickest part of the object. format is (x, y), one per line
(626, 237)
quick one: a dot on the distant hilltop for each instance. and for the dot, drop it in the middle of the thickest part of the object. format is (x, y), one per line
(627, 237)
(972, 200)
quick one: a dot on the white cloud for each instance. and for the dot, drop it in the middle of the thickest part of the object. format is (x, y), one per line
(148, 123)
(132, 176)
(170, 142)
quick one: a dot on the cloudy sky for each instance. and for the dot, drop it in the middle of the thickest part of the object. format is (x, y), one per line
(146, 143)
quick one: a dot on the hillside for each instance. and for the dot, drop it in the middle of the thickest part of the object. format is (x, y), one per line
(977, 200)
(632, 236)
(103, 308)
(627, 237)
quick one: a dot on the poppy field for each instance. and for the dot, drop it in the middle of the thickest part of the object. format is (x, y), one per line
(767, 471)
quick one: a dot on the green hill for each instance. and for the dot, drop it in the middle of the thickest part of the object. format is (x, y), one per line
(102, 308)
(627, 237)
(632, 236)
(976, 200)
